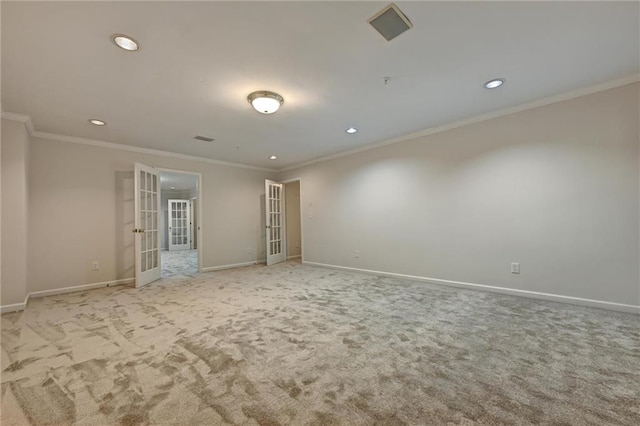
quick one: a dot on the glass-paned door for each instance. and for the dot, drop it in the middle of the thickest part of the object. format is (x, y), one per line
(179, 225)
(147, 208)
(275, 222)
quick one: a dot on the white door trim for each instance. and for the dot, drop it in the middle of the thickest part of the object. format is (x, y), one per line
(200, 221)
(284, 182)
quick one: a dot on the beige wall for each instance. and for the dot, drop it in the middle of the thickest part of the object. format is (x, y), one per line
(292, 210)
(82, 210)
(15, 161)
(554, 188)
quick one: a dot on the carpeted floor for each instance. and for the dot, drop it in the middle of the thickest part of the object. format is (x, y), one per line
(295, 344)
(178, 262)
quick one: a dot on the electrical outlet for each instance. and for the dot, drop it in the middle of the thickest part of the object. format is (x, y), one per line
(357, 254)
(515, 268)
(95, 265)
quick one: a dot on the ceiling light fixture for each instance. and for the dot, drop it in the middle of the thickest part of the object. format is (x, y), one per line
(125, 42)
(351, 130)
(97, 122)
(265, 102)
(273, 157)
(494, 84)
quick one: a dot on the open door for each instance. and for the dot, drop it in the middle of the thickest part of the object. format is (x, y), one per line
(275, 222)
(147, 207)
(179, 225)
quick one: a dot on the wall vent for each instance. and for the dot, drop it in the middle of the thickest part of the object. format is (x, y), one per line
(390, 22)
(204, 138)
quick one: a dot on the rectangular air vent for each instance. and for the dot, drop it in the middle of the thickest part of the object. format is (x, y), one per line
(204, 138)
(390, 22)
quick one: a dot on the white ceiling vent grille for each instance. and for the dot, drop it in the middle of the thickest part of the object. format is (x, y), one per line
(390, 22)
(204, 138)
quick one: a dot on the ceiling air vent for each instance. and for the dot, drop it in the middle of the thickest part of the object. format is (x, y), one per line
(204, 138)
(390, 22)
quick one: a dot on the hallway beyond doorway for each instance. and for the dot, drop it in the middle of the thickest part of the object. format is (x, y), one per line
(180, 262)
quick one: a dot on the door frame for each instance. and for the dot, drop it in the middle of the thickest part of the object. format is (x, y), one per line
(283, 221)
(284, 182)
(200, 224)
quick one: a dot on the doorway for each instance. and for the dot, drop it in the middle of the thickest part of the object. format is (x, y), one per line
(179, 223)
(283, 230)
(293, 219)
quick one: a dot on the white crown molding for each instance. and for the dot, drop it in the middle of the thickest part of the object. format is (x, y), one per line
(21, 118)
(111, 145)
(634, 309)
(140, 150)
(612, 84)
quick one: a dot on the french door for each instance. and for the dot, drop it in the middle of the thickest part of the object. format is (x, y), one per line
(179, 225)
(275, 222)
(147, 207)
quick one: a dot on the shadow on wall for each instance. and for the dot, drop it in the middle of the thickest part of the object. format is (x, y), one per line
(125, 255)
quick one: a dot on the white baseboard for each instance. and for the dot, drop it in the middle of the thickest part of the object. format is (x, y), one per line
(293, 257)
(15, 307)
(233, 265)
(73, 289)
(55, 291)
(503, 290)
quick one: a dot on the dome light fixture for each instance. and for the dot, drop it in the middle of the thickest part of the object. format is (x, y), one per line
(273, 157)
(96, 122)
(351, 130)
(265, 102)
(494, 84)
(125, 42)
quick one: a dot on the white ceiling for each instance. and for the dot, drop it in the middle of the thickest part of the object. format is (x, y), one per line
(199, 60)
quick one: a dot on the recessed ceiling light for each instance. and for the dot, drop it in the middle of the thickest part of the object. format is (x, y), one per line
(97, 122)
(351, 130)
(494, 84)
(265, 102)
(173, 187)
(125, 42)
(273, 157)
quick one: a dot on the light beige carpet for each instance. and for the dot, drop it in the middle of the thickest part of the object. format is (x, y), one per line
(294, 344)
(178, 262)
